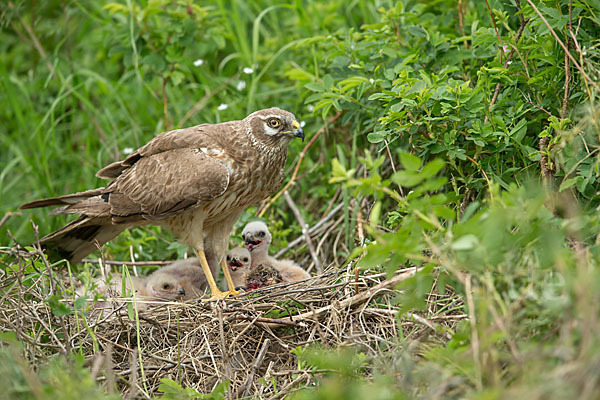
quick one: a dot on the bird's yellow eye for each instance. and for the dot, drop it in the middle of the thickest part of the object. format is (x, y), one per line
(274, 122)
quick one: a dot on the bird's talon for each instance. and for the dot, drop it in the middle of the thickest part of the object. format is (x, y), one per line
(221, 295)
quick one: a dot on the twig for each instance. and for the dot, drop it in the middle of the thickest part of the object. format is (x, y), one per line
(358, 299)
(565, 103)
(510, 56)
(304, 226)
(255, 366)
(7, 216)
(461, 23)
(128, 263)
(474, 334)
(312, 229)
(579, 67)
(268, 320)
(165, 102)
(300, 158)
(38, 249)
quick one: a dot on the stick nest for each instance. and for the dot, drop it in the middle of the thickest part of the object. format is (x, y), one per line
(248, 340)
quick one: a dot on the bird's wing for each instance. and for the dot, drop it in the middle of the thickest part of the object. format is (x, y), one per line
(195, 136)
(165, 184)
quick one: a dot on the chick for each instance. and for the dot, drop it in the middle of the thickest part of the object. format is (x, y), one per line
(189, 274)
(164, 286)
(257, 239)
(261, 276)
(238, 261)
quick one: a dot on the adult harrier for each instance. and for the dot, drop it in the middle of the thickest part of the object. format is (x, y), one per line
(195, 181)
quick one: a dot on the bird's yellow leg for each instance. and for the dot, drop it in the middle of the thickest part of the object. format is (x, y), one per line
(215, 293)
(230, 284)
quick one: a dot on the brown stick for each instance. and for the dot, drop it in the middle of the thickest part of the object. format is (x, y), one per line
(255, 366)
(509, 58)
(312, 229)
(304, 226)
(138, 263)
(358, 299)
(279, 321)
(7, 216)
(300, 158)
(575, 63)
(565, 103)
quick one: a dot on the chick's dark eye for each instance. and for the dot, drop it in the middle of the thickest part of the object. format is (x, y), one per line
(245, 259)
(228, 258)
(261, 234)
(166, 286)
(274, 122)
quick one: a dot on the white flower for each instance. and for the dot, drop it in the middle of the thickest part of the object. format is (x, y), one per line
(128, 150)
(198, 62)
(241, 86)
(248, 70)
(222, 107)
(509, 62)
(310, 108)
(371, 81)
(302, 124)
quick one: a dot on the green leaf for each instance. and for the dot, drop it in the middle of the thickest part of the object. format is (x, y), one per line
(567, 183)
(409, 161)
(464, 243)
(57, 306)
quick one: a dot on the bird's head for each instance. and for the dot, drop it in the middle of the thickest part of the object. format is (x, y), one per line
(238, 258)
(274, 126)
(165, 287)
(256, 236)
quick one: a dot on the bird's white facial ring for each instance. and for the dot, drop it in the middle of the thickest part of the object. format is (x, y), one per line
(270, 131)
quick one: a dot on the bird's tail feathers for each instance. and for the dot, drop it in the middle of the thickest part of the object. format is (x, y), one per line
(67, 200)
(80, 237)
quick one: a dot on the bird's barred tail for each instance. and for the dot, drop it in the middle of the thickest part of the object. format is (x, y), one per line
(80, 237)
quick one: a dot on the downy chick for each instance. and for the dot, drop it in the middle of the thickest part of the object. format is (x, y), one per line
(163, 286)
(189, 274)
(261, 276)
(257, 239)
(238, 261)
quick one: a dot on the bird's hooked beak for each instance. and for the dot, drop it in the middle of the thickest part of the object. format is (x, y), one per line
(181, 291)
(297, 132)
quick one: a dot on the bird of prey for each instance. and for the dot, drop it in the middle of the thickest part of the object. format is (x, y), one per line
(238, 261)
(194, 181)
(257, 239)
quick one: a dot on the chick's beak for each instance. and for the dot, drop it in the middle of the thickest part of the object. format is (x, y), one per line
(298, 132)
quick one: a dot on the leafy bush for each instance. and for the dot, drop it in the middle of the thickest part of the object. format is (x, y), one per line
(463, 140)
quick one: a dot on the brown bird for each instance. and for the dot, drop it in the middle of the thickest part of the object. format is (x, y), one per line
(194, 181)
(257, 239)
(261, 276)
(238, 261)
(188, 272)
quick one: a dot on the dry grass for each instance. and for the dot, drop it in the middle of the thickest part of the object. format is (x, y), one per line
(248, 340)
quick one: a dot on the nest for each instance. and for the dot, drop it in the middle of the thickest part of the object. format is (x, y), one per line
(248, 340)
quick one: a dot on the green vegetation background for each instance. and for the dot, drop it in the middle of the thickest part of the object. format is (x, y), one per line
(449, 116)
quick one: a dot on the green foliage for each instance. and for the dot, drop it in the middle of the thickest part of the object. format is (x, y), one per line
(59, 378)
(173, 391)
(446, 123)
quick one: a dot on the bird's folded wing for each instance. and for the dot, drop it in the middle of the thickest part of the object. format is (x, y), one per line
(165, 184)
(192, 137)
